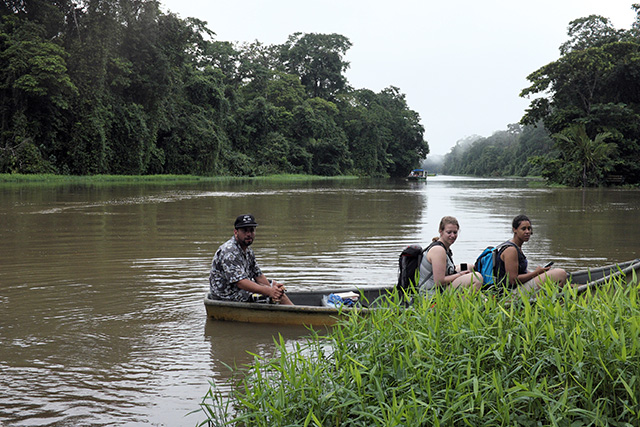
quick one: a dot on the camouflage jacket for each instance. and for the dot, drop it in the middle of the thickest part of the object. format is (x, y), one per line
(231, 264)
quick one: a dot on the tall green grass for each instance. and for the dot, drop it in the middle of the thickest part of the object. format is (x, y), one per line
(455, 359)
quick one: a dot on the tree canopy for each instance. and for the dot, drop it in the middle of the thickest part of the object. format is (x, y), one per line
(505, 153)
(119, 87)
(585, 107)
(593, 87)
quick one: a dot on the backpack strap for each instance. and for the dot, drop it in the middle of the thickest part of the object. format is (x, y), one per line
(434, 243)
(502, 246)
(439, 243)
(498, 264)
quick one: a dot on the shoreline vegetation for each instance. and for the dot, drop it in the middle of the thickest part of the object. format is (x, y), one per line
(454, 359)
(162, 95)
(163, 179)
(55, 179)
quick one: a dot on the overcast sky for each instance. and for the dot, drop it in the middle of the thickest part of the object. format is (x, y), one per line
(461, 64)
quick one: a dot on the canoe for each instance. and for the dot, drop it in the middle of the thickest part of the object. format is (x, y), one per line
(309, 308)
(629, 270)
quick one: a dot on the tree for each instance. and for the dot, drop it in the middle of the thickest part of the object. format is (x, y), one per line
(364, 122)
(318, 60)
(117, 86)
(194, 108)
(592, 155)
(505, 153)
(385, 136)
(592, 31)
(407, 146)
(635, 27)
(35, 90)
(596, 83)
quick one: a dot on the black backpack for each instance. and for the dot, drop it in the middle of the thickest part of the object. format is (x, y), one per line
(409, 268)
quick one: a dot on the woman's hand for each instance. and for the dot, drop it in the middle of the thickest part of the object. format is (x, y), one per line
(464, 268)
(540, 270)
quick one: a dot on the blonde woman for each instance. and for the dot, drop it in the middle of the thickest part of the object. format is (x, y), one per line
(437, 269)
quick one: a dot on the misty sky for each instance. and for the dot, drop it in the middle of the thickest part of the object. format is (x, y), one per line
(461, 64)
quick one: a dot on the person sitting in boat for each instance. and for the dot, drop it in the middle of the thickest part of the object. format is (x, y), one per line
(513, 265)
(235, 274)
(437, 269)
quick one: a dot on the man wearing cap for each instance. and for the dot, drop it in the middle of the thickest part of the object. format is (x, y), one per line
(235, 275)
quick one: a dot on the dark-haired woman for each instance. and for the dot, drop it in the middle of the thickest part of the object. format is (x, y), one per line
(437, 269)
(512, 267)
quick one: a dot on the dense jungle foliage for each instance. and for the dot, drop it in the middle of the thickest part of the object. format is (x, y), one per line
(587, 112)
(119, 87)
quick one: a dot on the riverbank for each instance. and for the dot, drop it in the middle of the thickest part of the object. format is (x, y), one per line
(167, 179)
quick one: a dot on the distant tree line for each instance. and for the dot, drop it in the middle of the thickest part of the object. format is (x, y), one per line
(588, 104)
(505, 153)
(119, 87)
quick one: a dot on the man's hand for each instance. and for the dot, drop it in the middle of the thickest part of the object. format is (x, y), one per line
(276, 290)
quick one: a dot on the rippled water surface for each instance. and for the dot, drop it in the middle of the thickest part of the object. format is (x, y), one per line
(101, 286)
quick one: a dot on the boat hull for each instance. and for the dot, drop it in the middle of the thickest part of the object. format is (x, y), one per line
(593, 277)
(308, 309)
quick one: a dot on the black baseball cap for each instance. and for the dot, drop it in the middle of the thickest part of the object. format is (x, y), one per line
(246, 220)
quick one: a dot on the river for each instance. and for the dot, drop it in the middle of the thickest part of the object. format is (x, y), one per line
(101, 285)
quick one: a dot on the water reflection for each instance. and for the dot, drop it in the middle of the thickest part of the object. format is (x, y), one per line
(101, 286)
(236, 345)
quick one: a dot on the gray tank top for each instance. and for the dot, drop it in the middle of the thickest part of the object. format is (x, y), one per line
(427, 284)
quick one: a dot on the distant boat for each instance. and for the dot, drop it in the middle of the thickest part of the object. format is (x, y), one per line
(417, 175)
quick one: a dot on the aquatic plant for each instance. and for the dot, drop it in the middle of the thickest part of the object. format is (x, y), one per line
(455, 359)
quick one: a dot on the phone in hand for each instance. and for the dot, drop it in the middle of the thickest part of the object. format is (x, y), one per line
(463, 266)
(549, 264)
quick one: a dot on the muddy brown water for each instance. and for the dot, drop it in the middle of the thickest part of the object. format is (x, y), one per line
(101, 286)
